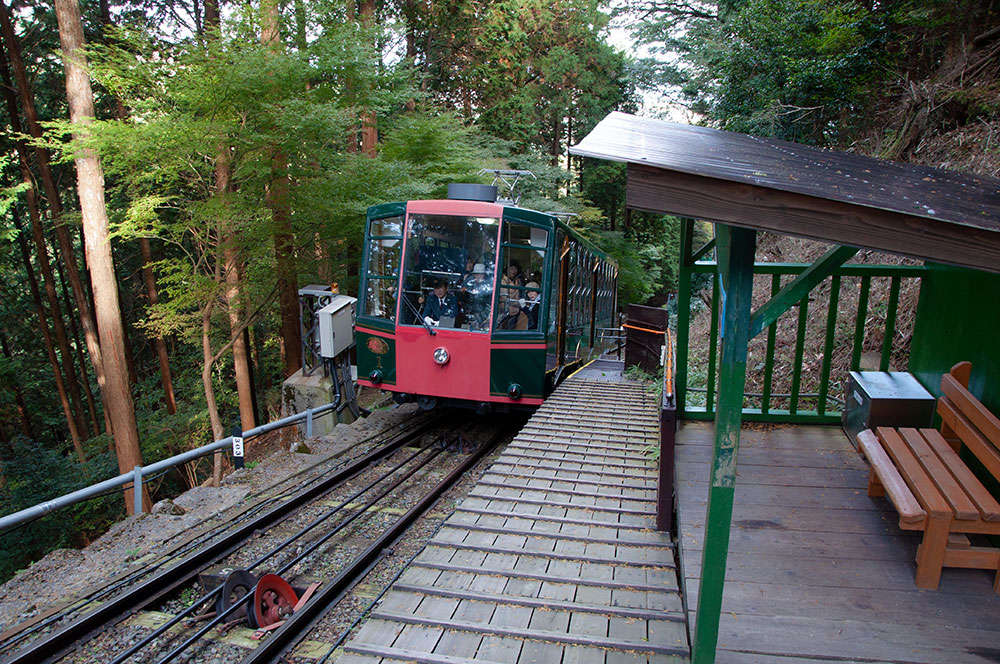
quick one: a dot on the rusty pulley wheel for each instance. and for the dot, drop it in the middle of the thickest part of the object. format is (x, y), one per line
(273, 601)
(235, 588)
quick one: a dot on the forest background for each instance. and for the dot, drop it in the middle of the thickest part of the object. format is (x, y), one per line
(237, 146)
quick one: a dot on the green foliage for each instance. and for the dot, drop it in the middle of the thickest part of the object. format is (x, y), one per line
(34, 473)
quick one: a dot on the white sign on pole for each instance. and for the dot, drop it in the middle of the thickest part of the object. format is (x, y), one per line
(237, 446)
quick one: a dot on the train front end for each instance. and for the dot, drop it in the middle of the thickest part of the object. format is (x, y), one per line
(433, 322)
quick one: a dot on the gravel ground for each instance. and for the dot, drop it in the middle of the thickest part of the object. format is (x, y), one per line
(65, 575)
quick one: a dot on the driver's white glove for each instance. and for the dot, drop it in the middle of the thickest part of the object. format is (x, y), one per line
(430, 321)
(521, 302)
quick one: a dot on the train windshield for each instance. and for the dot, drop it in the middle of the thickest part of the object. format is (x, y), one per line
(449, 271)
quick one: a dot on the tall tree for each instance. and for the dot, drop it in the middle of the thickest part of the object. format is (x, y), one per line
(43, 328)
(90, 187)
(369, 126)
(279, 203)
(160, 344)
(69, 378)
(65, 243)
(22, 407)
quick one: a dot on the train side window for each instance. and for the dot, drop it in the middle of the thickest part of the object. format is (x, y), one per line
(381, 279)
(522, 263)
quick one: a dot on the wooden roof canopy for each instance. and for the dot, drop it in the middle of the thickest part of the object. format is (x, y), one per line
(795, 189)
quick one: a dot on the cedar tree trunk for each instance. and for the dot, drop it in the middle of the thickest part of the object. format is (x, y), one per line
(279, 204)
(83, 303)
(90, 187)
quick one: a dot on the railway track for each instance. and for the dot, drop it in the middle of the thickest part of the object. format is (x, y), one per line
(272, 495)
(359, 487)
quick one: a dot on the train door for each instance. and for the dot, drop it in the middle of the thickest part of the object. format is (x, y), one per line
(518, 348)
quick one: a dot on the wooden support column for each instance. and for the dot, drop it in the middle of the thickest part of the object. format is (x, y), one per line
(736, 248)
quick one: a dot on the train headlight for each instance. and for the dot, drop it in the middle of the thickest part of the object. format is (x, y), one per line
(441, 355)
(375, 376)
(514, 391)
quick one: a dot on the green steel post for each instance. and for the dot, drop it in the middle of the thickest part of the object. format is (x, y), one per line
(800, 339)
(890, 324)
(713, 346)
(765, 403)
(736, 254)
(683, 315)
(860, 322)
(831, 328)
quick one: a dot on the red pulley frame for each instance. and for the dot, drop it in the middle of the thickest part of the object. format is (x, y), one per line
(273, 601)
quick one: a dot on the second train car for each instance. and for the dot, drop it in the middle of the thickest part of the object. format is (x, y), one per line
(470, 301)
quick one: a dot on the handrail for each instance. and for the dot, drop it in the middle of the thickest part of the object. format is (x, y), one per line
(668, 368)
(698, 401)
(135, 476)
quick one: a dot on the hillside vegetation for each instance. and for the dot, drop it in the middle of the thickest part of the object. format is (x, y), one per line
(905, 80)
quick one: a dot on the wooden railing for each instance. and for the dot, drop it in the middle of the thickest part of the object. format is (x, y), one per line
(843, 330)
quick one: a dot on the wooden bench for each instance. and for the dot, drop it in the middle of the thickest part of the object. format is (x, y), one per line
(933, 489)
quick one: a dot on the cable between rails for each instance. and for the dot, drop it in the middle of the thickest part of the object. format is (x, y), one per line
(308, 550)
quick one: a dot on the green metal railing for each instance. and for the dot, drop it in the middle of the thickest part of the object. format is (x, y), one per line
(766, 404)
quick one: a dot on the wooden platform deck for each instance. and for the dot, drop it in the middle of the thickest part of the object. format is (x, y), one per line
(818, 571)
(551, 559)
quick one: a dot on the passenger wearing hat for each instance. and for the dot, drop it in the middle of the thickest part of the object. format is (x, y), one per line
(479, 293)
(531, 305)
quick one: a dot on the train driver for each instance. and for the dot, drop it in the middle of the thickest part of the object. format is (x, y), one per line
(440, 305)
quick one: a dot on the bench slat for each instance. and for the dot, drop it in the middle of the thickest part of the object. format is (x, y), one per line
(916, 477)
(971, 437)
(963, 506)
(989, 508)
(910, 512)
(969, 405)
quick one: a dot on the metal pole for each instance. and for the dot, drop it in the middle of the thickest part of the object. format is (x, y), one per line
(309, 423)
(736, 255)
(238, 452)
(137, 490)
(35, 511)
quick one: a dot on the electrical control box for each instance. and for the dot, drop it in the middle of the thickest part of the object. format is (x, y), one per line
(885, 399)
(336, 325)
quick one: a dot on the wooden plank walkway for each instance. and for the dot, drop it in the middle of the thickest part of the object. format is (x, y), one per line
(817, 570)
(551, 559)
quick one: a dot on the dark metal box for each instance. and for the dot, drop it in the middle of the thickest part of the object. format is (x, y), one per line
(885, 398)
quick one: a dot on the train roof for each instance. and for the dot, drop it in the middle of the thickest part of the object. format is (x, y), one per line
(513, 211)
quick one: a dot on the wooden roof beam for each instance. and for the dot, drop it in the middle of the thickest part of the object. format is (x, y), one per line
(752, 206)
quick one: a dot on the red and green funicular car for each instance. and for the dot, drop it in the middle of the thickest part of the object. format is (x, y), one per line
(468, 301)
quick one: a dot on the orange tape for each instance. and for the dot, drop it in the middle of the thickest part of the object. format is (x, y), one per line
(643, 329)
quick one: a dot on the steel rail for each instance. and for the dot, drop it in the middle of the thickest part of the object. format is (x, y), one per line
(128, 578)
(308, 550)
(154, 588)
(283, 638)
(121, 657)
